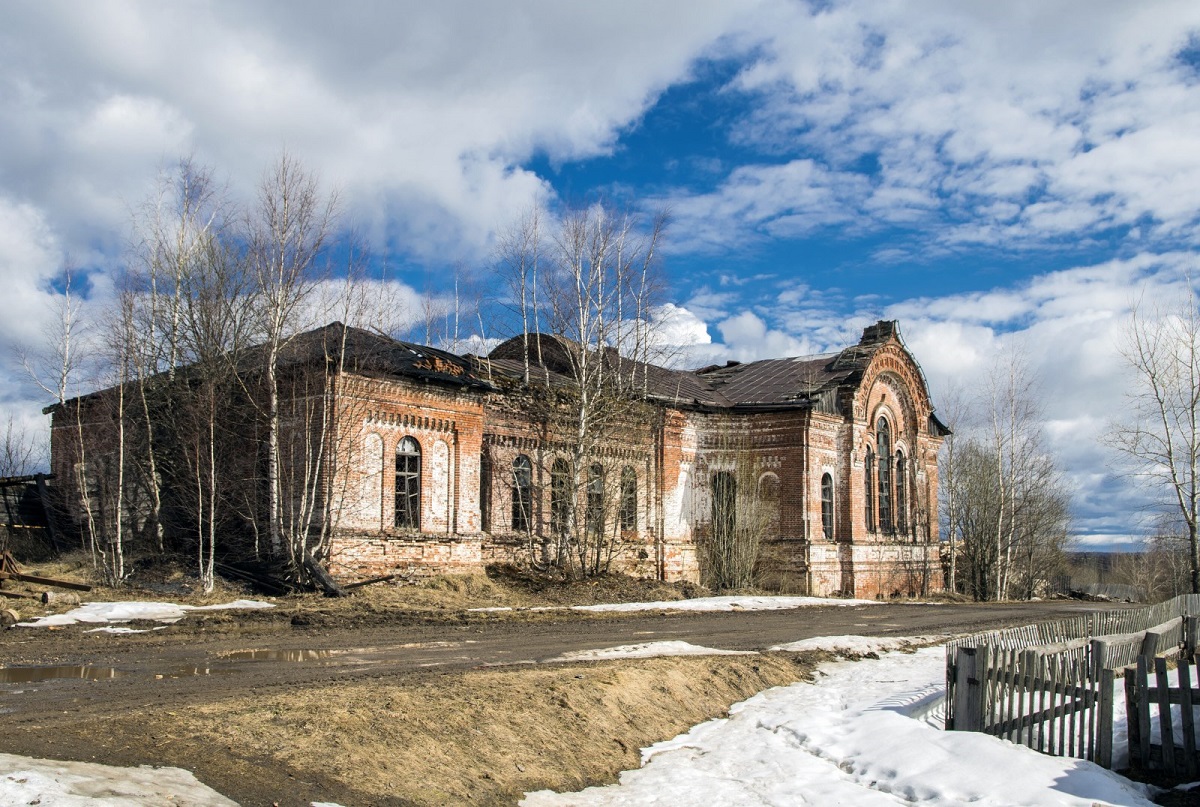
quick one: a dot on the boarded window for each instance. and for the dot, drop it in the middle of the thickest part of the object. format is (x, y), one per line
(408, 484)
(628, 514)
(827, 506)
(522, 493)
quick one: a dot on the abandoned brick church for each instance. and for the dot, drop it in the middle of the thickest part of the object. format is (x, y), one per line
(444, 463)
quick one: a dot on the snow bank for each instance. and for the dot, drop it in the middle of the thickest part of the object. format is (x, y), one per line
(87, 784)
(860, 735)
(857, 645)
(109, 612)
(699, 604)
(648, 650)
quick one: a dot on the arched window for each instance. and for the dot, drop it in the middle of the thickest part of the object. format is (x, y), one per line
(724, 507)
(485, 491)
(628, 511)
(883, 440)
(560, 497)
(827, 506)
(522, 493)
(595, 500)
(408, 484)
(901, 494)
(869, 490)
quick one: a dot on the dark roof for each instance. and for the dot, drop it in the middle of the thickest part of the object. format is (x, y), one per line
(798, 382)
(376, 354)
(774, 382)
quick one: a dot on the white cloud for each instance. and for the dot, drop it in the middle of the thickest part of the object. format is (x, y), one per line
(973, 113)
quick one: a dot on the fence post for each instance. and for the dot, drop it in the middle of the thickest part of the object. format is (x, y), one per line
(1149, 644)
(1191, 635)
(966, 688)
(1104, 730)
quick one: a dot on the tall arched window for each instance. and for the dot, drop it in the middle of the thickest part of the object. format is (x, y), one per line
(628, 511)
(827, 506)
(869, 490)
(901, 494)
(522, 493)
(485, 491)
(595, 500)
(724, 507)
(408, 484)
(883, 440)
(560, 497)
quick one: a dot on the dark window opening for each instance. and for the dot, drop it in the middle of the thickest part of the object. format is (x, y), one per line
(827, 506)
(408, 484)
(522, 493)
(560, 498)
(901, 495)
(628, 512)
(485, 491)
(869, 490)
(883, 439)
(595, 501)
(724, 507)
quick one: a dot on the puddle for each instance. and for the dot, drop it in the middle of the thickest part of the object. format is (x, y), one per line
(31, 675)
(277, 655)
(190, 672)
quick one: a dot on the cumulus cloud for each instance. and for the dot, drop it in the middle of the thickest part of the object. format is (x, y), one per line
(983, 124)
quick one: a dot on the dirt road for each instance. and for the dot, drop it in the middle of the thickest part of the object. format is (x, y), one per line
(164, 697)
(203, 658)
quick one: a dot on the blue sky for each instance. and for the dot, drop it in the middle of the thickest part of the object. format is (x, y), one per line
(992, 175)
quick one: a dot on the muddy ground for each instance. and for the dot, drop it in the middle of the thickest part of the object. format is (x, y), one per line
(399, 695)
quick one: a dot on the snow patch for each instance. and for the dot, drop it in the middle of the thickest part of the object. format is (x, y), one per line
(859, 735)
(109, 612)
(87, 784)
(648, 650)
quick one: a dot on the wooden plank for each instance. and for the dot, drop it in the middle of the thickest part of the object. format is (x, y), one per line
(1164, 716)
(1142, 699)
(964, 676)
(1187, 719)
(1104, 729)
(1133, 724)
(44, 581)
(1055, 729)
(1041, 726)
(1074, 729)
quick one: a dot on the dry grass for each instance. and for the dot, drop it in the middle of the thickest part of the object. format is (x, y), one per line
(486, 736)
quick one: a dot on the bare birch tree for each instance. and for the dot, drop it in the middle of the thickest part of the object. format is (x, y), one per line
(1161, 434)
(287, 232)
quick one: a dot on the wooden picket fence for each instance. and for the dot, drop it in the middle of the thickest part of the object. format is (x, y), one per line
(1050, 686)
(1140, 695)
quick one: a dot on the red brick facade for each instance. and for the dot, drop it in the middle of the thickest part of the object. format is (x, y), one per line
(673, 448)
(839, 510)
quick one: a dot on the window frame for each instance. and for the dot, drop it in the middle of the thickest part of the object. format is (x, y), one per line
(407, 514)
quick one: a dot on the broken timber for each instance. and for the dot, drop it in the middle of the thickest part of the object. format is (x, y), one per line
(10, 571)
(323, 578)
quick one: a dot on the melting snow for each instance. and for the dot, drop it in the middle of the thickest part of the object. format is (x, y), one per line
(108, 612)
(648, 650)
(863, 734)
(86, 784)
(705, 604)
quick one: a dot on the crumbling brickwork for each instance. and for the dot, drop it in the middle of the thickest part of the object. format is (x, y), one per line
(438, 463)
